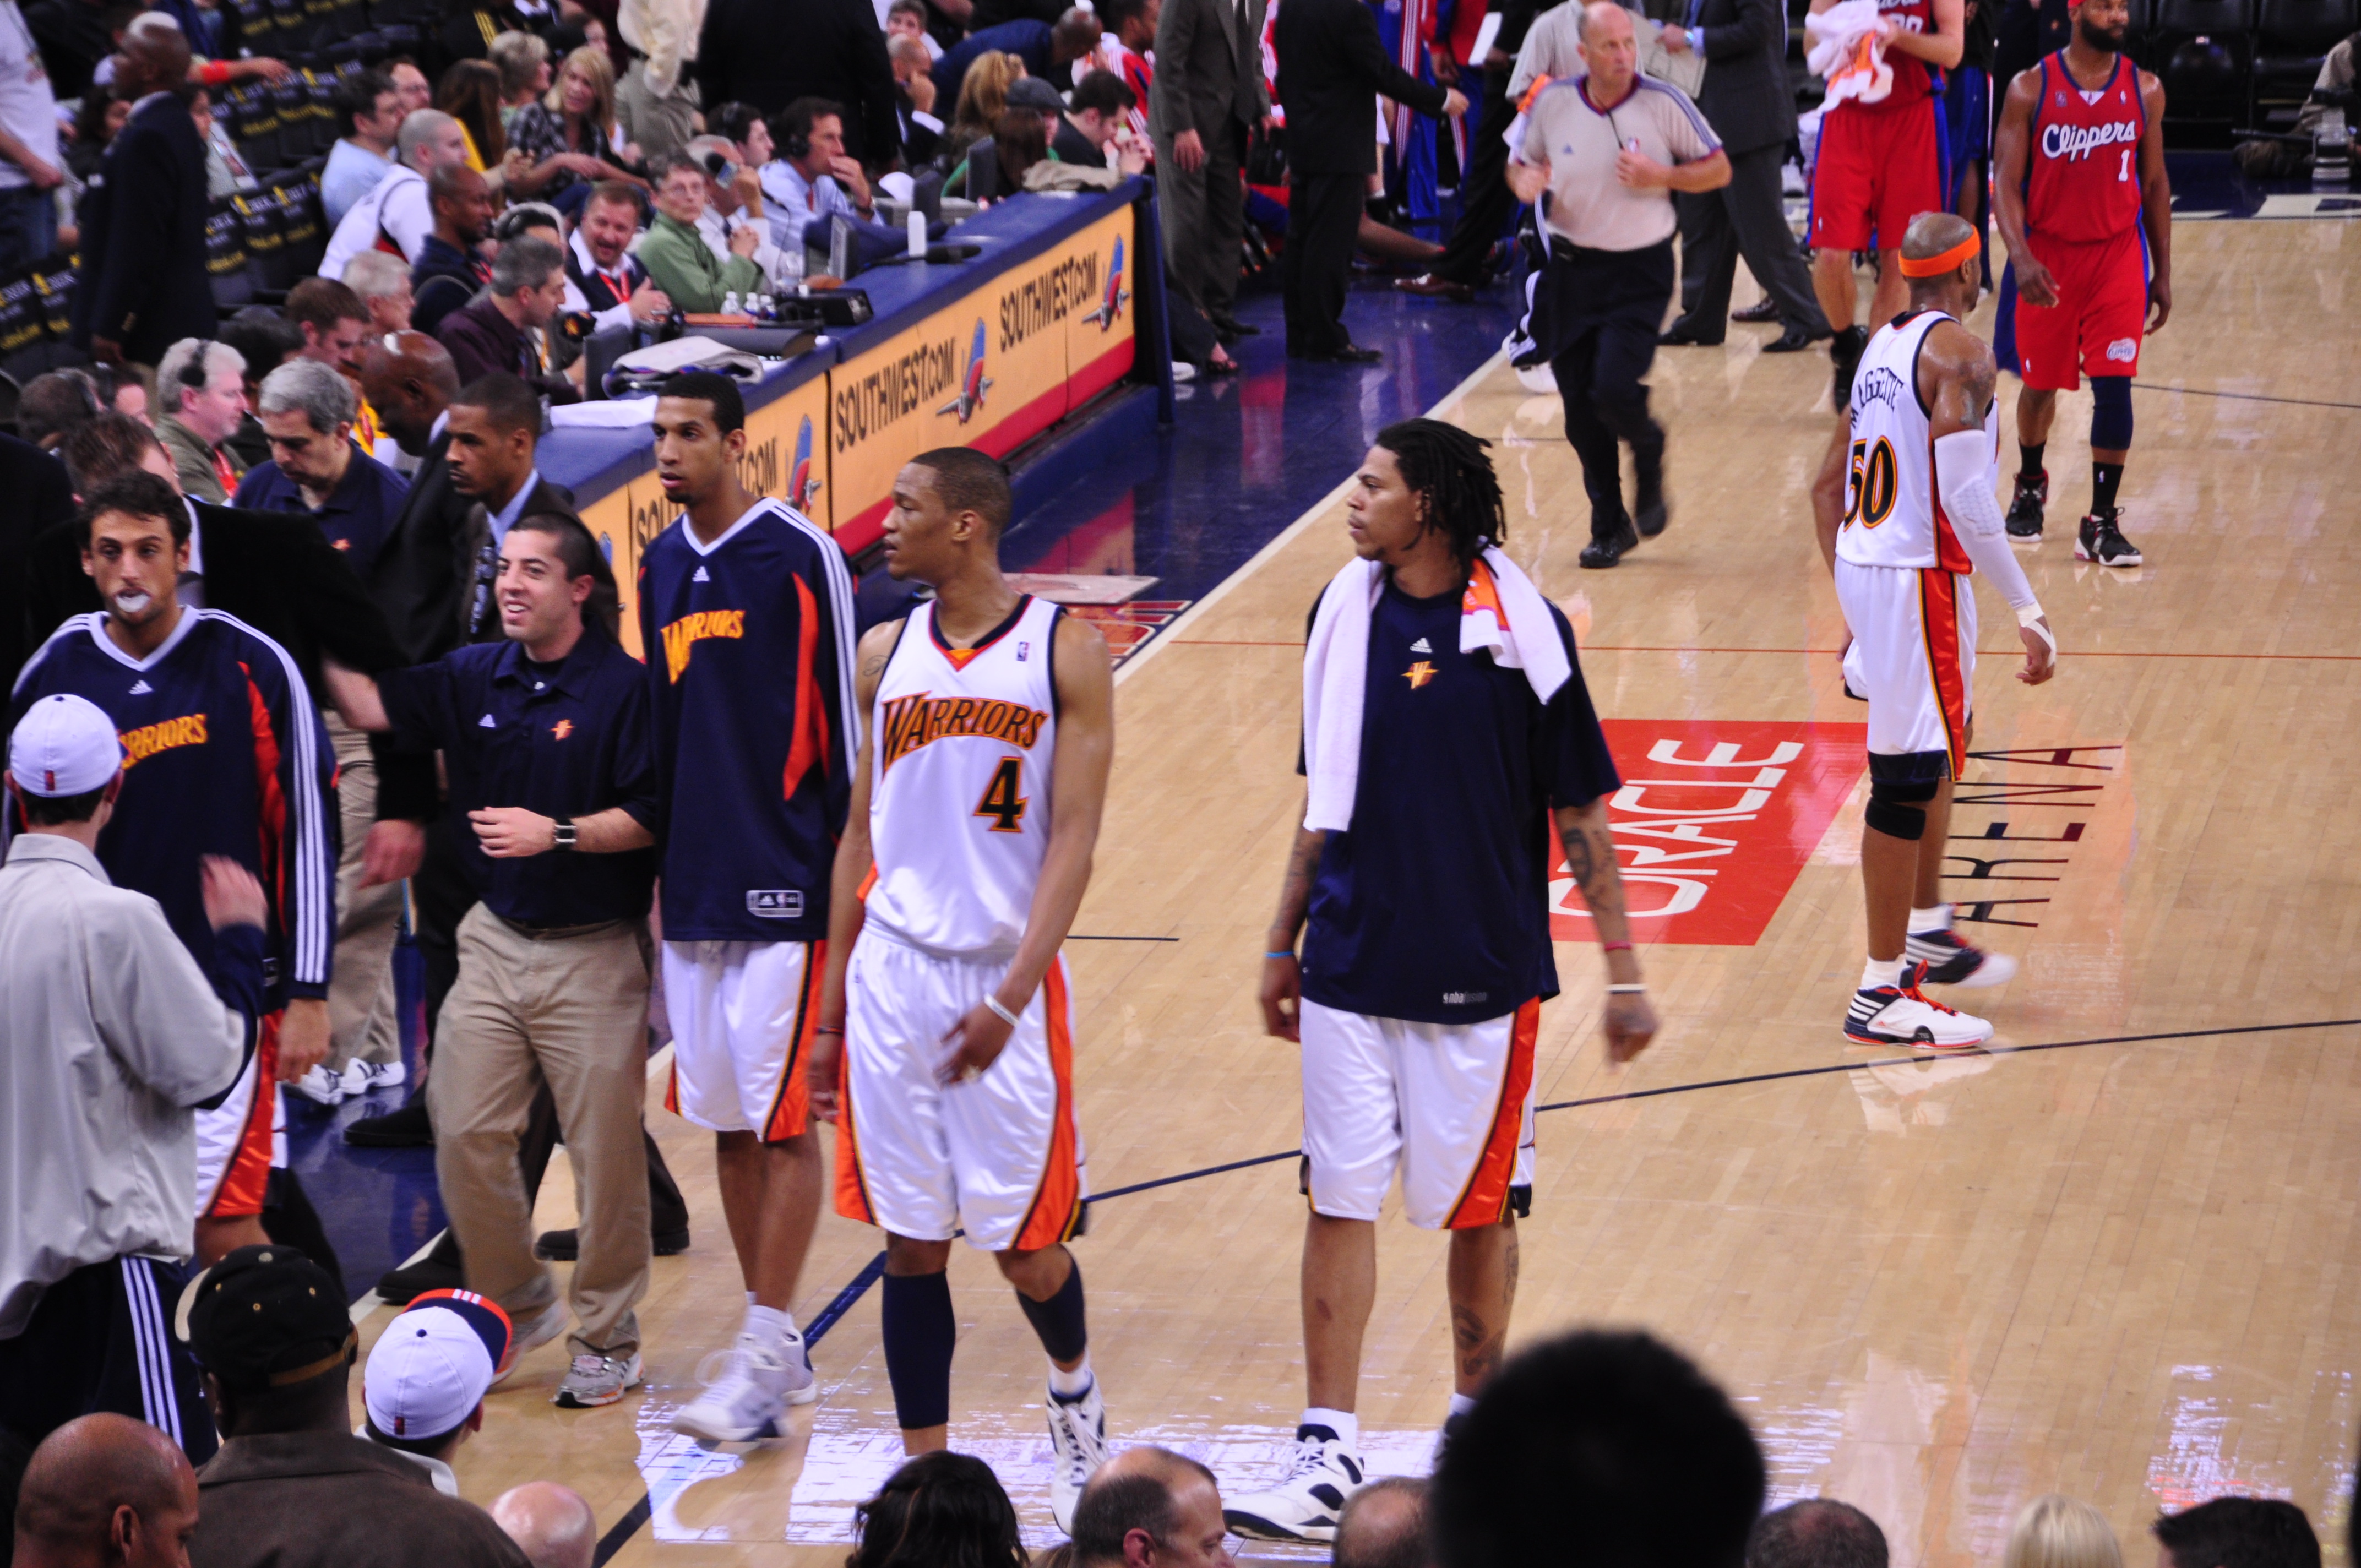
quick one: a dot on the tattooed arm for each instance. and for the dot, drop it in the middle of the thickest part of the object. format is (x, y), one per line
(1282, 976)
(1630, 1022)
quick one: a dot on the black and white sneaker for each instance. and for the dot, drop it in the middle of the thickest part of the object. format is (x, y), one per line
(1900, 1015)
(1078, 1437)
(2025, 507)
(2102, 540)
(1307, 1504)
(1950, 960)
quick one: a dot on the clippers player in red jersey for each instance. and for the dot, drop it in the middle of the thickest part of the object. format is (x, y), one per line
(2086, 210)
(1878, 165)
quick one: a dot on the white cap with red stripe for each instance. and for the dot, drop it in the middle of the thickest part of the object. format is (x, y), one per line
(64, 745)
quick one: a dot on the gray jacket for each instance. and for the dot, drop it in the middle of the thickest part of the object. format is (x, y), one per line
(109, 1035)
(1745, 96)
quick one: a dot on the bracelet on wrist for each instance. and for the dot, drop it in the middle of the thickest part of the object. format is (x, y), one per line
(1280, 953)
(1633, 988)
(827, 1029)
(1003, 1014)
(1614, 946)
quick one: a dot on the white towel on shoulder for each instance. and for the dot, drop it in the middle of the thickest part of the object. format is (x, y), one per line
(1500, 611)
(1841, 45)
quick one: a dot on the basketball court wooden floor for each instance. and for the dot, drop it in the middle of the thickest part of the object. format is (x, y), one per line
(2114, 1256)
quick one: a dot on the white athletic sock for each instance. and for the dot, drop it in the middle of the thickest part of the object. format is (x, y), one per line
(1074, 1384)
(1460, 1405)
(772, 1325)
(1344, 1423)
(1881, 971)
(1935, 919)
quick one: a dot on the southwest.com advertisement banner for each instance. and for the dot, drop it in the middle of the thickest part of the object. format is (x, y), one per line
(991, 371)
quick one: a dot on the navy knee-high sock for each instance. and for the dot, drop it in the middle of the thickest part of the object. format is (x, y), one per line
(920, 1332)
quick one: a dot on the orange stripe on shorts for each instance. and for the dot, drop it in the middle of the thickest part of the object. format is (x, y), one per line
(1057, 1202)
(1486, 1200)
(245, 1179)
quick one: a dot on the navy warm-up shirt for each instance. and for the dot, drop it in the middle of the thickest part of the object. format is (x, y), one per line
(1435, 905)
(357, 515)
(223, 755)
(566, 741)
(750, 644)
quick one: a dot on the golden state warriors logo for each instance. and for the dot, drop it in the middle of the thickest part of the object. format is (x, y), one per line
(149, 738)
(682, 636)
(910, 722)
(972, 389)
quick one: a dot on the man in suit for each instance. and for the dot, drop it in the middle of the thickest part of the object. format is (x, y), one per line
(1332, 69)
(1207, 95)
(835, 49)
(1486, 201)
(43, 500)
(143, 242)
(1746, 99)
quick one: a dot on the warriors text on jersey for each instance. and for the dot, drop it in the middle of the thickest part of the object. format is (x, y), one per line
(2081, 168)
(1894, 515)
(958, 813)
(224, 755)
(749, 642)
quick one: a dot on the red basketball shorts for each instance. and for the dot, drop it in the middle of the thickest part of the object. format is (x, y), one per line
(2100, 313)
(1876, 169)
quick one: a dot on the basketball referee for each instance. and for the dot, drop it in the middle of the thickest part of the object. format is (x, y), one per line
(1604, 153)
(110, 1038)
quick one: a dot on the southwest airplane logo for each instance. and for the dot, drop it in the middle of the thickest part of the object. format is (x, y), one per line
(803, 488)
(972, 391)
(1110, 303)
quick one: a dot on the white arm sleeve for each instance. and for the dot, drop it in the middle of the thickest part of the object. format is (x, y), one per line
(1963, 474)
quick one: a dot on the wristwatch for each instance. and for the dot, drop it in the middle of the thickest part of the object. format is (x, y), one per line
(561, 833)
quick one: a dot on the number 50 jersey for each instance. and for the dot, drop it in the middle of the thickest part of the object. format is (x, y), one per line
(958, 805)
(1894, 512)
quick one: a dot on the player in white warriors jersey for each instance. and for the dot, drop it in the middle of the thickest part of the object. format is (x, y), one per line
(1905, 511)
(944, 1051)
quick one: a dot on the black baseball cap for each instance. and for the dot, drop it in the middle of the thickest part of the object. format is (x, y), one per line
(265, 1317)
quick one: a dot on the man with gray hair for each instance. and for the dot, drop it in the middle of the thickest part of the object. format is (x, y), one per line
(495, 330)
(307, 412)
(396, 213)
(382, 283)
(1384, 1526)
(201, 388)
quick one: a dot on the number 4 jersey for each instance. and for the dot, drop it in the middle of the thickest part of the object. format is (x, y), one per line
(958, 805)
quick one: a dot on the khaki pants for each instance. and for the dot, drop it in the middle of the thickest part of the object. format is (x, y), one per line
(569, 1010)
(657, 123)
(360, 994)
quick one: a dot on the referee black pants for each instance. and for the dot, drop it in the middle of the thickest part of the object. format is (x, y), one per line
(102, 1339)
(1596, 314)
(1323, 221)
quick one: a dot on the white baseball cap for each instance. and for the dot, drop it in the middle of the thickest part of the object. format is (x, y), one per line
(433, 1365)
(64, 745)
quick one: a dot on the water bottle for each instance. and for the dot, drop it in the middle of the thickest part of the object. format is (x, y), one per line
(2331, 150)
(729, 303)
(917, 226)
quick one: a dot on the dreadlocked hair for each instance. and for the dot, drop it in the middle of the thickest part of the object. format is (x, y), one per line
(1447, 467)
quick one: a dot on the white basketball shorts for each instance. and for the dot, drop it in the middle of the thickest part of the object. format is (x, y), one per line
(1914, 657)
(1450, 1105)
(1000, 1155)
(742, 1015)
(239, 1140)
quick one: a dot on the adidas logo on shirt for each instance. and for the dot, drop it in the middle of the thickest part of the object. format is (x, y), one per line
(1420, 647)
(700, 576)
(141, 688)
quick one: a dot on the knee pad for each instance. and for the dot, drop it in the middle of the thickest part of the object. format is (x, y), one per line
(2111, 413)
(1899, 810)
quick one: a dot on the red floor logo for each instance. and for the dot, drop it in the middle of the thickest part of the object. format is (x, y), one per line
(1713, 823)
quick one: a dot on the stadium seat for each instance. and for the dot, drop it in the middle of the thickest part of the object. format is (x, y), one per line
(2292, 38)
(2206, 51)
(225, 260)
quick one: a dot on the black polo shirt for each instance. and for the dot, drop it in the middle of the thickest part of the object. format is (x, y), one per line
(568, 741)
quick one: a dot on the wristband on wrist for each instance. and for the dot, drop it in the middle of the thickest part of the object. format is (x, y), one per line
(1003, 1014)
(1634, 989)
(2029, 616)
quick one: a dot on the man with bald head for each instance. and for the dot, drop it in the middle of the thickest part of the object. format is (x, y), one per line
(1905, 511)
(103, 1491)
(143, 241)
(1150, 1507)
(1384, 1526)
(551, 1524)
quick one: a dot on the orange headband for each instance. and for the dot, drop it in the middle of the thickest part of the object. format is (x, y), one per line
(1951, 260)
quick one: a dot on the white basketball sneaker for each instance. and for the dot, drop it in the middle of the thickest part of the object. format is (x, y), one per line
(1951, 960)
(749, 1401)
(1305, 1505)
(1900, 1015)
(1078, 1433)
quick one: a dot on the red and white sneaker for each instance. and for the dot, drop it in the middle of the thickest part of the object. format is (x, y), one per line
(1901, 1014)
(1951, 960)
